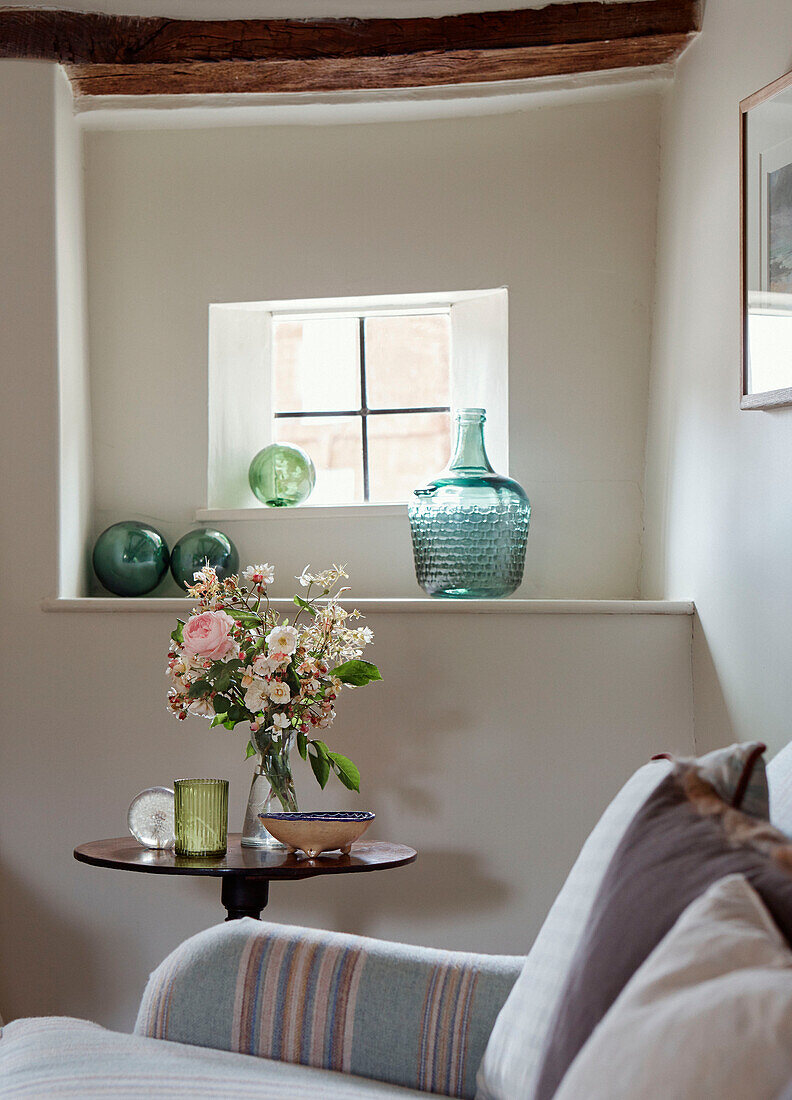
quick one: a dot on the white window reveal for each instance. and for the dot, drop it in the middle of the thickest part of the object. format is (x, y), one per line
(366, 386)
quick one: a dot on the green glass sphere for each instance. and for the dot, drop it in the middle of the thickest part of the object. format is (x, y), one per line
(130, 558)
(198, 548)
(282, 475)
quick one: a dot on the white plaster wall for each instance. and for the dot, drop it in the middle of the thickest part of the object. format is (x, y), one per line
(535, 200)
(75, 510)
(718, 485)
(492, 745)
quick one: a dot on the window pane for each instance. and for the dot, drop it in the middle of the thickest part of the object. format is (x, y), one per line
(316, 364)
(408, 361)
(404, 450)
(335, 445)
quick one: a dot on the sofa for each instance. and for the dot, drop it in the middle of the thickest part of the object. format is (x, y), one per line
(681, 988)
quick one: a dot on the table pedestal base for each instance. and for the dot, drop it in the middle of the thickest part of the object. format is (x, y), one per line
(244, 897)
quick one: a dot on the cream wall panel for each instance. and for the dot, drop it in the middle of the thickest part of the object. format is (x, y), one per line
(535, 200)
(718, 484)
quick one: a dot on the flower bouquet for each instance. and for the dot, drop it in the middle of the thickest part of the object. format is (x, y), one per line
(234, 660)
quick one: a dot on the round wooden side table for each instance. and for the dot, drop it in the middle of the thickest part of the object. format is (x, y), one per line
(245, 873)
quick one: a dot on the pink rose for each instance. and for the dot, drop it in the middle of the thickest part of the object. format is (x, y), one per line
(208, 635)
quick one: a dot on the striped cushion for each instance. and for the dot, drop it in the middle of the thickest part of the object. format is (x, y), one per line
(61, 1058)
(410, 1016)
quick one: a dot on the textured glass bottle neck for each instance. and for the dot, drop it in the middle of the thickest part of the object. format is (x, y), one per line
(469, 450)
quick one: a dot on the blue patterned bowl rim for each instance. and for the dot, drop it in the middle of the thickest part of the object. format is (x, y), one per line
(322, 815)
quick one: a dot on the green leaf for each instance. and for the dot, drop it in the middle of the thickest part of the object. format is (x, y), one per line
(221, 671)
(250, 750)
(199, 688)
(218, 720)
(177, 634)
(223, 682)
(320, 766)
(305, 605)
(356, 673)
(221, 704)
(302, 745)
(292, 679)
(346, 771)
(246, 618)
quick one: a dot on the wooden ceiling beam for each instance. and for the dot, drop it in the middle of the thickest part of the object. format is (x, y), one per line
(129, 55)
(426, 69)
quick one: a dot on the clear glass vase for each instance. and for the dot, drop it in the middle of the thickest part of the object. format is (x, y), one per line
(272, 789)
(469, 525)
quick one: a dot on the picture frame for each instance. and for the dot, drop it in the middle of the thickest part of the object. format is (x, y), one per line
(766, 246)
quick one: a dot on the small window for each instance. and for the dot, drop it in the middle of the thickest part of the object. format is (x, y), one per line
(365, 385)
(368, 397)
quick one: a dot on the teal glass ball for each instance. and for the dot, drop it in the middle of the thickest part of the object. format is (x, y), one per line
(282, 475)
(198, 548)
(130, 558)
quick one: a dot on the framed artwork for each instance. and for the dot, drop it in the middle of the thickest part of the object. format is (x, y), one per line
(766, 246)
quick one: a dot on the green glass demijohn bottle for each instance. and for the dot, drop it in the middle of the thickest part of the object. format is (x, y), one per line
(469, 525)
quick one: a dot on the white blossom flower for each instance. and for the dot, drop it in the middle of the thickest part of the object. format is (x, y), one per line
(265, 666)
(283, 639)
(248, 677)
(326, 720)
(256, 576)
(176, 673)
(326, 579)
(207, 574)
(280, 721)
(331, 613)
(279, 693)
(256, 696)
(202, 707)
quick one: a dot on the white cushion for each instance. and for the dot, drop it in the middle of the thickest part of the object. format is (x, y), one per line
(779, 778)
(709, 1013)
(513, 1056)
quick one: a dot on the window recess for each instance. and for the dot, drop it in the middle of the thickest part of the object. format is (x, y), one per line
(367, 386)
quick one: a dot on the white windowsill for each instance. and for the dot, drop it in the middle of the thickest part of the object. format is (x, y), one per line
(174, 605)
(302, 511)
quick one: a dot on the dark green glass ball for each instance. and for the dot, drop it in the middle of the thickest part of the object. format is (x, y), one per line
(282, 475)
(130, 558)
(197, 548)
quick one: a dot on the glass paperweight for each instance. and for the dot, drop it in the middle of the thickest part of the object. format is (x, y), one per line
(197, 548)
(469, 525)
(201, 808)
(151, 818)
(282, 475)
(130, 558)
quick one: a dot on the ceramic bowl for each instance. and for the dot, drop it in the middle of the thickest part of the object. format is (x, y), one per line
(315, 833)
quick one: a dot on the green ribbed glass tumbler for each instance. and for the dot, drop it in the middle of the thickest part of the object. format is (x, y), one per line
(201, 809)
